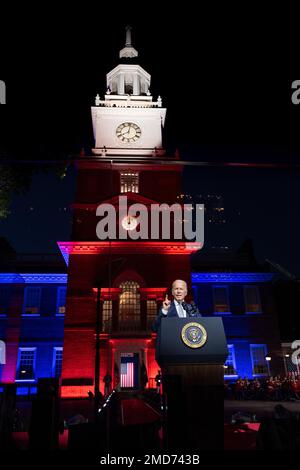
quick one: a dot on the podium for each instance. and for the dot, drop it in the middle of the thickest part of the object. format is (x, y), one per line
(44, 423)
(191, 353)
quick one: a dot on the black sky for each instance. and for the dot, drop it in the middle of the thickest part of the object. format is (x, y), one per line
(227, 87)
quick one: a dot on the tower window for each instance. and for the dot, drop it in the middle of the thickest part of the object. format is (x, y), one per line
(129, 182)
(151, 312)
(129, 307)
(107, 314)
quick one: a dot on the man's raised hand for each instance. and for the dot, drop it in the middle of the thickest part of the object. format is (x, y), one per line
(166, 303)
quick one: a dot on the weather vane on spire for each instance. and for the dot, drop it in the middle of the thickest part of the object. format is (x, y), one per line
(128, 51)
(128, 36)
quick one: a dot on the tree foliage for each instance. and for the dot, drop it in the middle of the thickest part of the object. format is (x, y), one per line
(16, 174)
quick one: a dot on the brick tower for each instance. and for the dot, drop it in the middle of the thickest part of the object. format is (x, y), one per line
(133, 275)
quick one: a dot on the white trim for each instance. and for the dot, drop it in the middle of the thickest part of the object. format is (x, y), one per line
(33, 278)
(55, 348)
(232, 348)
(31, 315)
(25, 380)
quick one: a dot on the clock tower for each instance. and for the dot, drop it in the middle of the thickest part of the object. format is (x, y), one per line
(131, 276)
(128, 121)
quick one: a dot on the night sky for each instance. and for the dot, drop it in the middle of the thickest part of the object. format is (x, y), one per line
(227, 101)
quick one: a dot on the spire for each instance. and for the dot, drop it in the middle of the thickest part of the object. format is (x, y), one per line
(128, 36)
(128, 51)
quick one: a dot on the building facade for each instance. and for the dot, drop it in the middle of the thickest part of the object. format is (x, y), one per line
(33, 307)
(48, 321)
(32, 310)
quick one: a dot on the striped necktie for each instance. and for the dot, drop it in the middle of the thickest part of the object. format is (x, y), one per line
(181, 312)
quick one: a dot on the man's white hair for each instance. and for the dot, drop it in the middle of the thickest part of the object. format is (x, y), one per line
(180, 280)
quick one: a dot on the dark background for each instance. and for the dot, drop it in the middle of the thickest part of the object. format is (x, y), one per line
(225, 78)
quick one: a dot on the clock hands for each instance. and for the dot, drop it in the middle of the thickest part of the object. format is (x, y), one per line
(128, 132)
(127, 129)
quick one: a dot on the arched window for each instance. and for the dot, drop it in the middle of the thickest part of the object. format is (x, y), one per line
(129, 305)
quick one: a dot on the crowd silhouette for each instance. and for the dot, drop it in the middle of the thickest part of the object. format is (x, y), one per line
(278, 388)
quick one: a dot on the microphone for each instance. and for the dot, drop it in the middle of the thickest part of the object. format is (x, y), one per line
(191, 309)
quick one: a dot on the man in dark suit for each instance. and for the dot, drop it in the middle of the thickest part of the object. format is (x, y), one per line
(178, 307)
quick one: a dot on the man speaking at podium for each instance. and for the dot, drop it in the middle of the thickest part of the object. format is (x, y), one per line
(177, 307)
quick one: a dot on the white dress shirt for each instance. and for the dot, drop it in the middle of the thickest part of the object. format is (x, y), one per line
(179, 308)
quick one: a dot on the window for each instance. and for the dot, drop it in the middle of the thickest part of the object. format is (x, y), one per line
(221, 303)
(258, 356)
(129, 306)
(230, 368)
(107, 314)
(128, 88)
(32, 301)
(129, 182)
(61, 300)
(26, 364)
(57, 361)
(4, 296)
(151, 312)
(252, 301)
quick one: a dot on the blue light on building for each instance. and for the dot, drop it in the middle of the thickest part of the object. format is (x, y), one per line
(242, 278)
(41, 328)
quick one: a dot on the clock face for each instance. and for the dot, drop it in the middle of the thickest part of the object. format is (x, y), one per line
(129, 222)
(128, 132)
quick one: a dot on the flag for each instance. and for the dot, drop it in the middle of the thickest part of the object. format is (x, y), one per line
(127, 374)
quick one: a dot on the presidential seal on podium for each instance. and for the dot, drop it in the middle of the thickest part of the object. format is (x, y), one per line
(194, 335)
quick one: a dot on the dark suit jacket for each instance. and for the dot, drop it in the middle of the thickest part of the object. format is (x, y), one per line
(172, 312)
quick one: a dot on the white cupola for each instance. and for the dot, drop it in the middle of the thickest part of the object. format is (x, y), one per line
(128, 121)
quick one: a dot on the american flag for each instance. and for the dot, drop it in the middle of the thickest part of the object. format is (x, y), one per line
(127, 374)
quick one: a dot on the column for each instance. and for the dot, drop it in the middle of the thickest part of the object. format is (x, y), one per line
(121, 83)
(136, 88)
